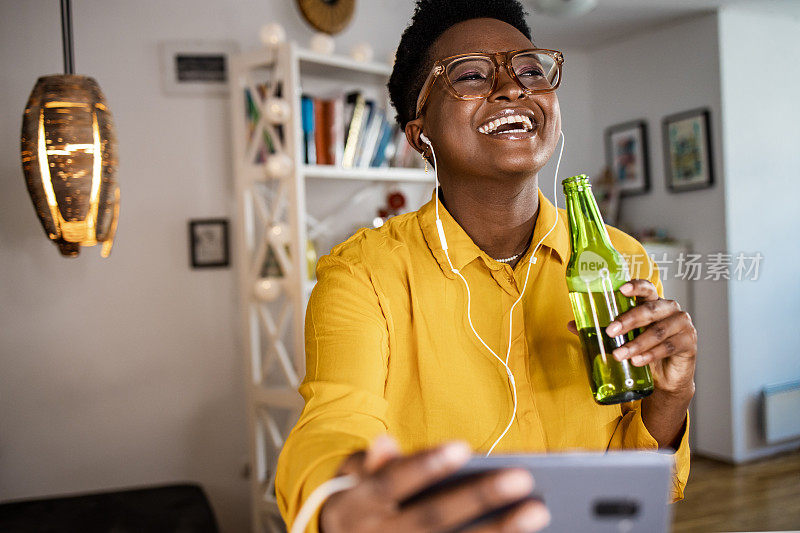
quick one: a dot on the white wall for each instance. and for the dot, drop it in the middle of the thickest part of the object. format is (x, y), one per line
(575, 96)
(758, 57)
(649, 76)
(127, 371)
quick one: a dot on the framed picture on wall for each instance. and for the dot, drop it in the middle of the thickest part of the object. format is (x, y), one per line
(687, 151)
(196, 67)
(626, 157)
(208, 243)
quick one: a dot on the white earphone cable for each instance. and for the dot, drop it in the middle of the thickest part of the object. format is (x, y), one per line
(531, 261)
(340, 483)
(318, 497)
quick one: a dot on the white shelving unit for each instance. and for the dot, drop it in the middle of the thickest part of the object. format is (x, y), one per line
(271, 213)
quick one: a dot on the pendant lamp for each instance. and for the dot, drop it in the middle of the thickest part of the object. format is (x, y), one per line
(69, 156)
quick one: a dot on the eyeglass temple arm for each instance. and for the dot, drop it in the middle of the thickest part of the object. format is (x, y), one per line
(426, 88)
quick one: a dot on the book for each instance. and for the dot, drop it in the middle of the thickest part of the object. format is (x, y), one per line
(348, 105)
(322, 131)
(337, 130)
(390, 153)
(371, 138)
(329, 131)
(307, 115)
(354, 129)
(266, 146)
(380, 158)
(369, 114)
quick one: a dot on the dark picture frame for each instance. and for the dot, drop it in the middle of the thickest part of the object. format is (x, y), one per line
(627, 157)
(208, 243)
(688, 159)
(196, 67)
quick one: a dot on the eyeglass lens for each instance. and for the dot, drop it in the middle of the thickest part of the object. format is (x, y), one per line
(474, 75)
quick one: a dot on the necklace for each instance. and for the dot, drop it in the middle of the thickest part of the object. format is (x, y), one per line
(508, 259)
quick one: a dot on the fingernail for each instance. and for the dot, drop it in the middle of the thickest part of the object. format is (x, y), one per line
(515, 483)
(533, 518)
(613, 328)
(637, 360)
(456, 452)
(620, 353)
(626, 287)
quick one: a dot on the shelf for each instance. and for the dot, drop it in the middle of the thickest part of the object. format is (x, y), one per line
(415, 175)
(343, 63)
(318, 63)
(257, 173)
(273, 326)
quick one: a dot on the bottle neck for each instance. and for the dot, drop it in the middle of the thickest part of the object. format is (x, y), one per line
(585, 222)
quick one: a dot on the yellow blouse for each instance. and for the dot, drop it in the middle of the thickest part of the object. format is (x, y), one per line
(389, 349)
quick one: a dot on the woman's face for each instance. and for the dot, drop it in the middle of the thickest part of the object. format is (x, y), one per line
(454, 125)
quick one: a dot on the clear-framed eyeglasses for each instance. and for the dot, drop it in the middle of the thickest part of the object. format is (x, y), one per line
(475, 75)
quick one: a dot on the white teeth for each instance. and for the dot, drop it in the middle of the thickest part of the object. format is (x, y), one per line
(491, 126)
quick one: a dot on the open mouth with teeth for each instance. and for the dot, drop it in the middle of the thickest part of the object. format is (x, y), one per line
(509, 124)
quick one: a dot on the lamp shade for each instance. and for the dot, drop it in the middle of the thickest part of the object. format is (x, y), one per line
(69, 158)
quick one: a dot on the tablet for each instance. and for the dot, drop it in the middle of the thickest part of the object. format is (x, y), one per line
(619, 492)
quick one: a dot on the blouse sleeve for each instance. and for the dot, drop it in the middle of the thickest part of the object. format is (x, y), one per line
(346, 366)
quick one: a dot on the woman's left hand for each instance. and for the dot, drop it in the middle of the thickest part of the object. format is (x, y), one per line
(668, 343)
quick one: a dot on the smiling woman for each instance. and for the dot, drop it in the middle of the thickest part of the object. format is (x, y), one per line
(447, 324)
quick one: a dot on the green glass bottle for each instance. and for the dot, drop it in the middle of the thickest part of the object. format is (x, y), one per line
(595, 273)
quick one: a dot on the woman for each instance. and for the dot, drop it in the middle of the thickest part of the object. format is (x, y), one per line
(390, 345)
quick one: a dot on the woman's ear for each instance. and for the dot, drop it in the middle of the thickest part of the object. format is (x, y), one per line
(413, 131)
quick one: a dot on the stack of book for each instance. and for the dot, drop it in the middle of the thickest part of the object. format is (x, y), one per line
(352, 131)
(349, 131)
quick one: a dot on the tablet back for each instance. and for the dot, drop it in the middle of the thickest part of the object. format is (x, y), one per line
(619, 492)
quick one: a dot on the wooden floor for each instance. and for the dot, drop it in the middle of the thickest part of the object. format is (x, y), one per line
(760, 496)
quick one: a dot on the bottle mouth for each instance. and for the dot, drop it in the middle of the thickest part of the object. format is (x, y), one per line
(575, 183)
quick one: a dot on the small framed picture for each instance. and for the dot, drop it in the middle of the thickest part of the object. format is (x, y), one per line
(196, 67)
(687, 150)
(208, 242)
(626, 156)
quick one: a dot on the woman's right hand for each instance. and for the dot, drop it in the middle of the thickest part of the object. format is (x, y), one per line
(386, 478)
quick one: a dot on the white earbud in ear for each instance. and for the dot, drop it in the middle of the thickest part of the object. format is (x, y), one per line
(424, 139)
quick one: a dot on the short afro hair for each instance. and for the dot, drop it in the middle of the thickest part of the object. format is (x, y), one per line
(431, 19)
